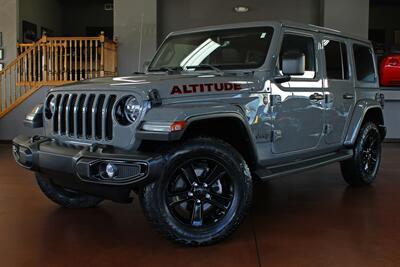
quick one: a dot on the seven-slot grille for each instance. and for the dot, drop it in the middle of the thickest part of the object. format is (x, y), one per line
(84, 116)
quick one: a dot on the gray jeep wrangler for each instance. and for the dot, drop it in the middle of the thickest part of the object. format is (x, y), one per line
(217, 109)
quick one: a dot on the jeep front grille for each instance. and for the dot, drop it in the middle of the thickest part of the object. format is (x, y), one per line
(83, 116)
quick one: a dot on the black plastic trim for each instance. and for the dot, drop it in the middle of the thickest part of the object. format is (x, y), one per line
(59, 160)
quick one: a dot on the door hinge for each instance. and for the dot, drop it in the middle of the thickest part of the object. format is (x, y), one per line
(328, 129)
(276, 135)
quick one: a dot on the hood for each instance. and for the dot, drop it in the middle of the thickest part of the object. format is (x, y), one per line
(170, 86)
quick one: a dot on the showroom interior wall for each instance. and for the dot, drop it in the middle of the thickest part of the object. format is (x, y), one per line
(135, 20)
(8, 26)
(353, 18)
(179, 14)
(385, 17)
(13, 124)
(77, 15)
(43, 13)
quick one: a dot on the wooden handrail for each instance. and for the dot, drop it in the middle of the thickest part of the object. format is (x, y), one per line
(55, 61)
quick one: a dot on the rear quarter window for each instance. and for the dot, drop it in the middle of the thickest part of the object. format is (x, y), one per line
(364, 63)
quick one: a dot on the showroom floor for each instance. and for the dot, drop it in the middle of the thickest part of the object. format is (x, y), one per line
(310, 219)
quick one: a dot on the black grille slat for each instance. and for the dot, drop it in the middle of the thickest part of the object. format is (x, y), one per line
(55, 115)
(94, 114)
(108, 123)
(61, 115)
(98, 133)
(70, 115)
(84, 116)
(76, 110)
(89, 116)
(79, 122)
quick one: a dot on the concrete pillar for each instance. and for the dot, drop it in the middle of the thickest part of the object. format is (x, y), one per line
(347, 16)
(8, 28)
(135, 27)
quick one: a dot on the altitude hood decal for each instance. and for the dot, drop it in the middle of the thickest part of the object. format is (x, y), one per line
(203, 88)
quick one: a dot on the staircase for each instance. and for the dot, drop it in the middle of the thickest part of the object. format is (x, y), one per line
(54, 61)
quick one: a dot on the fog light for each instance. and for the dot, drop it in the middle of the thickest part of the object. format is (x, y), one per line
(111, 170)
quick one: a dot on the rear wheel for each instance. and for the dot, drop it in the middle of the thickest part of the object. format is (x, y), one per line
(65, 197)
(362, 169)
(202, 196)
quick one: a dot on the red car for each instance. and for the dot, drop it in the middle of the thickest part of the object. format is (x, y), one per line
(389, 70)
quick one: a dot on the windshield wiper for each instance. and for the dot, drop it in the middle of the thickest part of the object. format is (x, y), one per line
(168, 69)
(209, 66)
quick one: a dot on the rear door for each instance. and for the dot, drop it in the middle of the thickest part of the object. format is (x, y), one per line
(338, 88)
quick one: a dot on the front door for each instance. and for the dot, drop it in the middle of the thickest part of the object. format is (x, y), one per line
(339, 90)
(298, 105)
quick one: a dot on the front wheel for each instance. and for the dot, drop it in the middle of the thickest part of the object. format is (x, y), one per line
(362, 169)
(203, 195)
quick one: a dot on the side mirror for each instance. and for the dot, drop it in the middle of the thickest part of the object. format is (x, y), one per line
(293, 63)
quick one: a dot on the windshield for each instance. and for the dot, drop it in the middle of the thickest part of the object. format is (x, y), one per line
(223, 49)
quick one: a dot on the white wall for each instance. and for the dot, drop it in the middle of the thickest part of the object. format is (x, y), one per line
(347, 16)
(128, 16)
(8, 26)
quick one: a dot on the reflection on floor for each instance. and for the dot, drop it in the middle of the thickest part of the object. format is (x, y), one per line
(309, 219)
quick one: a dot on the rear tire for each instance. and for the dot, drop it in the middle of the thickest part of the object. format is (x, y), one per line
(65, 197)
(363, 167)
(203, 195)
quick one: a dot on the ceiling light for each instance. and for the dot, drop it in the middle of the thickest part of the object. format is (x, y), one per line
(241, 9)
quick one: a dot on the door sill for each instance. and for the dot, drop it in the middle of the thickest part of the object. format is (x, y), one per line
(303, 165)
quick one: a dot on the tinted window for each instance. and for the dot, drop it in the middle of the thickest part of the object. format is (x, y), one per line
(225, 49)
(364, 63)
(300, 44)
(336, 60)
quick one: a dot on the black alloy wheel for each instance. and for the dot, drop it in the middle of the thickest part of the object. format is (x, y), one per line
(363, 167)
(200, 192)
(202, 195)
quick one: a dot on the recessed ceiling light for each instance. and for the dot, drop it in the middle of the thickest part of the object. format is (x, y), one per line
(241, 9)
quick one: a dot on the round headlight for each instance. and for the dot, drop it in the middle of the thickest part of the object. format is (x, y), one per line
(132, 109)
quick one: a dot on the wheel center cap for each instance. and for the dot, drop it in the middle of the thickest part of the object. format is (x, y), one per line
(199, 192)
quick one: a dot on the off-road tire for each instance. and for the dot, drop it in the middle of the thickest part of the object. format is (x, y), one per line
(354, 170)
(154, 202)
(66, 198)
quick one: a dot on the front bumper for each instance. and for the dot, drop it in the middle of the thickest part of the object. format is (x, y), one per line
(83, 168)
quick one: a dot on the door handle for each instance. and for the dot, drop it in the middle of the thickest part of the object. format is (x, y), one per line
(348, 96)
(317, 97)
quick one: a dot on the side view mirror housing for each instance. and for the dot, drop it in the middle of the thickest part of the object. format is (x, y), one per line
(293, 63)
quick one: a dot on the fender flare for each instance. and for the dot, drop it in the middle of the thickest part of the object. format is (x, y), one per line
(234, 113)
(360, 110)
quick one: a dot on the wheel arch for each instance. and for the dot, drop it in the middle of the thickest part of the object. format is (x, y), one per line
(229, 127)
(365, 110)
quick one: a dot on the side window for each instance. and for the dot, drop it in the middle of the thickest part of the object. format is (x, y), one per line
(300, 44)
(336, 60)
(364, 63)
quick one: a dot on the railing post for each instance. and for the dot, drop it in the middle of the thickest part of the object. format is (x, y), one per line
(44, 60)
(102, 40)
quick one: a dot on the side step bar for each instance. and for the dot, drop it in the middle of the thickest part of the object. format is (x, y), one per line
(303, 165)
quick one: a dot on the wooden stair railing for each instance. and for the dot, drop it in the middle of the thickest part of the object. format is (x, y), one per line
(55, 61)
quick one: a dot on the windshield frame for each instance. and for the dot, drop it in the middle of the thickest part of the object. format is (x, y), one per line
(270, 28)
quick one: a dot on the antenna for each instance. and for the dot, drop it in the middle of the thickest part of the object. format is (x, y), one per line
(140, 43)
